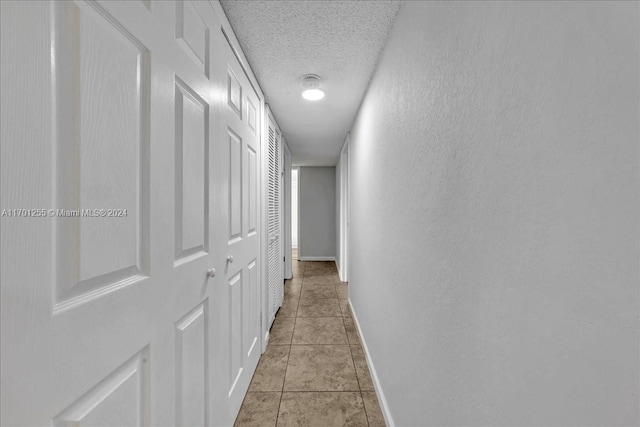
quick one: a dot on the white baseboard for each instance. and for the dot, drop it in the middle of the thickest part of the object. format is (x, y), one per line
(317, 258)
(374, 375)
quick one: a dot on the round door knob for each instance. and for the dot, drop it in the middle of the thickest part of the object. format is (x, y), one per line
(211, 272)
(230, 258)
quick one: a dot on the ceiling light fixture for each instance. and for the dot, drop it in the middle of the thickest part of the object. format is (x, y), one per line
(311, 88)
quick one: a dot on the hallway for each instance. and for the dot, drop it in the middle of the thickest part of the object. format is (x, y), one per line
(467, 213)
(314, 370)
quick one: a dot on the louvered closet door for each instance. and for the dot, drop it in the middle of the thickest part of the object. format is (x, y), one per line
(274, 224)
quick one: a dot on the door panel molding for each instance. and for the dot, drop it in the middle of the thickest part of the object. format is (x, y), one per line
(112, 320)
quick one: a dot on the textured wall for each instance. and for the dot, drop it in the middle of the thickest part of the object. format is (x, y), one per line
(317, 212)
(495, 214)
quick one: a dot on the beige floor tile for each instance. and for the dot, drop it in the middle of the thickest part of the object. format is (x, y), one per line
(319, 265)
(341, 289)
(374, 413)
(320, 368)
(296, 286)
(315, 275)
(318, 280)
(269, 375)
(322, 410)
(281, 331)
(344, 307)
(362, 369)
(259, 410)
(352, 332)
(289, 306)
(319, 291)
(319, 330)
(318, 273)
(315, 307)
(292, 288)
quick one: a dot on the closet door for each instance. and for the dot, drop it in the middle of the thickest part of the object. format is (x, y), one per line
(130, 283)
(106, 300)
(276, 290)
(238, 303)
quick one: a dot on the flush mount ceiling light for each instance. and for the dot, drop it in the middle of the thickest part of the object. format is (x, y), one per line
(311, 88)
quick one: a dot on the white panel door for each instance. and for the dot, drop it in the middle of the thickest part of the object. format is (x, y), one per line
(195, 226)
(108, 127)
(238, 295)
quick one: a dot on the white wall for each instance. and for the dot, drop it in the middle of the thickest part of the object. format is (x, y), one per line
(495, 204)
(294, 207)
(317, 206)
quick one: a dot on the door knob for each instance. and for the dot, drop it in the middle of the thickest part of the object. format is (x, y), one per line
(230, 258)
(211, 272)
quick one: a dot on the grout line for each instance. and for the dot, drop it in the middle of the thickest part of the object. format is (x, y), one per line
(364, 406)
(353, 362)
(287, 367)
(280, 404)
(335, 345)
(293, 333)
(312, 317)
(366, 414)
(283, 381)
(314, 391)
(323, 391)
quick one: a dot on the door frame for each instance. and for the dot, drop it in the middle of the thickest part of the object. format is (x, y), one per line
(343, 270)
(297, 170)
(286, 208)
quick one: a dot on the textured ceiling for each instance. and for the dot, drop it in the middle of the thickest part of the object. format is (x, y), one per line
(337, 40)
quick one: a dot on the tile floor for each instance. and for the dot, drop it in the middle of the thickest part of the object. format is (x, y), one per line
(314, 371)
